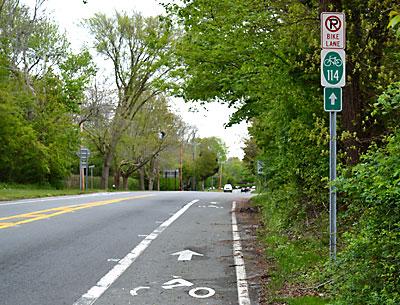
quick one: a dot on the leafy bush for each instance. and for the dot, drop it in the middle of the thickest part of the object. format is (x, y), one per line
(368, 269)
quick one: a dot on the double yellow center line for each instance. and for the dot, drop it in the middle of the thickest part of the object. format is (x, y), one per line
(14, 220)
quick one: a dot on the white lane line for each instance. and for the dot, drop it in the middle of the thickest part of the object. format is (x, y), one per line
(241, 278)
(107, 280)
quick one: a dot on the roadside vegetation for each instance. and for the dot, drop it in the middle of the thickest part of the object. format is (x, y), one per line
(24, 191)
(54, 101)
(263, 57)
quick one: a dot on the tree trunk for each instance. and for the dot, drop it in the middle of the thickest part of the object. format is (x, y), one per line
(151, 184)
(324, 5)
(106, 171)
(117, 176)
(141, 176)
(352, 96)
(352, 109)
(157, 168)
(151, 174)
(125, 180)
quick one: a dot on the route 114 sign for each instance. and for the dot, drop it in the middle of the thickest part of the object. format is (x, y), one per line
(333, 68)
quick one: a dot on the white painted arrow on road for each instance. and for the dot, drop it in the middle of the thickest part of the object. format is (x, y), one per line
(186, 255)
(333, 99)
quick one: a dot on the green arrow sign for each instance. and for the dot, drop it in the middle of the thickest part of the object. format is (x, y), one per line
(333, 68)
(333, 99)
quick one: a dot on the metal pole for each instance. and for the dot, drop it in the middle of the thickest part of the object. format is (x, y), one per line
(332, 189)
(80, 174)
(180, 167)
(87, 175)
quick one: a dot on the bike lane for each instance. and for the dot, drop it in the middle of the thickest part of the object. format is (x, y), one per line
(191, 262)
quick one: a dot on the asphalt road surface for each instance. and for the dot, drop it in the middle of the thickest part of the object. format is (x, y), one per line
(147, 248)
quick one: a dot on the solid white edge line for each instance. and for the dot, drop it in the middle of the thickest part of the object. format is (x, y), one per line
(241, 278)
(107, 280)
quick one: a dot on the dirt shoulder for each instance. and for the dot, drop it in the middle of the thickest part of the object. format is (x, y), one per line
(249, 221)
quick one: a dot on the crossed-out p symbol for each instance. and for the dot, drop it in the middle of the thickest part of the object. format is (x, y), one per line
(333, 24)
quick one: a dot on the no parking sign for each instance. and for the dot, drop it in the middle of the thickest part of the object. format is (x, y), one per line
(333, 34)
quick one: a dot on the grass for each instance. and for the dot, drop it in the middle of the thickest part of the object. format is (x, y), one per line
(292, 255)
(307, 300)
(18, 191)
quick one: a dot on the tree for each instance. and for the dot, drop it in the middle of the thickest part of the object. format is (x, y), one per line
(202, 160)
(139, 49)
(251, 152)
(42, 86)
(31, 41)
(251, 53)
(235, 172)
(154, 130)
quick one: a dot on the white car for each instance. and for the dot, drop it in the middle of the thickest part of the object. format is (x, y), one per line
(228, 188)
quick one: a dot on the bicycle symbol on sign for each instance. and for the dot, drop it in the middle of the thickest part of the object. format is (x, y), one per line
(333, 61)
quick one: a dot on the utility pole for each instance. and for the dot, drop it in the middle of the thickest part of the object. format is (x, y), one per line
(220, 176)
(181, 168)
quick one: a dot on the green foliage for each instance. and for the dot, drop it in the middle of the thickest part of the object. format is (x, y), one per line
(207, 162)
(76, 72)
(202, 160)
(140, 50)
(11, 191)
(394, 22)
(387, 107)
(264, 58)
(368, 267)
(41, 85)
(307, 300)
(236, 173)
(292, 256)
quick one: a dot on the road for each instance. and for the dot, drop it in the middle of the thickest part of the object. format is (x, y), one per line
(161, 248)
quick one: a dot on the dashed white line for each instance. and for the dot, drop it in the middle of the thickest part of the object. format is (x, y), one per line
(107, 280)
(241, 278)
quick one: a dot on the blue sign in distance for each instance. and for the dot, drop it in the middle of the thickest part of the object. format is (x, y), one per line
(333, 72)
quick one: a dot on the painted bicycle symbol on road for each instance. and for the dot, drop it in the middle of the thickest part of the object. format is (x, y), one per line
(176, 282)
(333, 61)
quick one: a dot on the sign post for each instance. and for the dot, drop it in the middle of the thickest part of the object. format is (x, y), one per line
(83, 154)
(333, 78)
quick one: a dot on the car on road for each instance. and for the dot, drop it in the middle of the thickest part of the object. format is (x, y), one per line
(228, 188)
(245, 189)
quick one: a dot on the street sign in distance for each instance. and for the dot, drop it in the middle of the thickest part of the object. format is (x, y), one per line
(83, 153)
(333, 99)
(260, 167)
(333, 68)
(333, 30)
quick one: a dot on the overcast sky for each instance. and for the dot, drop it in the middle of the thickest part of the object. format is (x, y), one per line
(68, 15)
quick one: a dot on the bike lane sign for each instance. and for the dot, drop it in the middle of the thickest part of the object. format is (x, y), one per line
(333, 68)
(333, 31)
